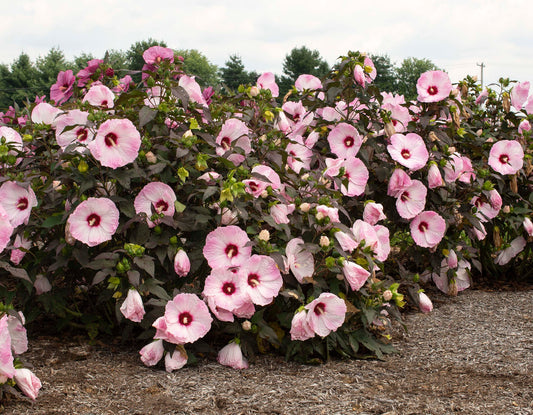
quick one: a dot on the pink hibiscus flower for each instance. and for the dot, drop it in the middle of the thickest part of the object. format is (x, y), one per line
(17, 202)
(517, 245)
(373, 213)
(326, 314)
(132, 308)
(434, 176)
(300, 329)
(63, 89)
(152, 353)
(487, 208)
(227, 288)
(234, 132)
(411, 201)
(6, 229)
(263, 279)
(506, 156)
(94, 221)
(299, 157)
(355, 274)
(268, 81)
(79, 134)
(18, 254)
(309, 82)
(100, 96)
(227, 247)
(519, 95)
(433, 86)
(116, 144)
(175, 360)
(156, 54)
(428, 229)
(300, 261)
(182, 264)
(193, 89)
(365, 74)
(17, 332)
(398, 182)
(7, 370)
(44, 113)
(344, 140)
(157, 199)
(354, 170)
(231, 355)
(256, 186)
(280, 212)
(186, 320)
(409, 150)
(85, 74)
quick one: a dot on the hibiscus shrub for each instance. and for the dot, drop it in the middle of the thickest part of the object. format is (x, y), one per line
(238, 219)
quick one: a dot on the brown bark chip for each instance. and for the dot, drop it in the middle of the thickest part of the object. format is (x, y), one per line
(472, 355)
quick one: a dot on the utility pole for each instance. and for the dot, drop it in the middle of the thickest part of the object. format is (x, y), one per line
(482, 65)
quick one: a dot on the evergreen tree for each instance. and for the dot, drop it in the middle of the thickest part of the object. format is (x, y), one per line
(409, 72)
(233, 74)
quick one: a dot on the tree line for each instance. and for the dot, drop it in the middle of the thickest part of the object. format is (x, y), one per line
(24, 79)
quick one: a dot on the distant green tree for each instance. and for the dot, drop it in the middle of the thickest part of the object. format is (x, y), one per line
(409, 72)
(386, 73)
(233, 74)
(80, 62)
(195, 63)
(118, 59)
(18, 82)
(301, 61)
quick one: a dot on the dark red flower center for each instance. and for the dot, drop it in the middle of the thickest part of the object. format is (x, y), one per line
(93, 220)
(158, 59)
(405, 196)
(104, 103)
(405, 153)
(349, 141)
(433, 90)
(81, 134)
(423, 226)
(229, 288)
(111, 140)
(185, 318)
(253, 280)
(161, 206)
(320, 309)
(22, 203)
(253, 186)
(504, 159)
(231, 250)
(394, 122)
(225, 143)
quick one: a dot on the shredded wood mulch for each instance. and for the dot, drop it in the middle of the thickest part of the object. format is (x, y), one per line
(472, 355)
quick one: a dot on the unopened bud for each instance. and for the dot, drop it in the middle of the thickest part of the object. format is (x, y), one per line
(324, 241)
(304, 207)
(254, 91)
(506, 209)
(387, 295)
(319, 216)
(389, 129)
(187, 134)
(246, 325)
(264, 235)
(151, 158)
(433, 137)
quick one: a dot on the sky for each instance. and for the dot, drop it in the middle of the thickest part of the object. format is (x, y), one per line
(456, 35)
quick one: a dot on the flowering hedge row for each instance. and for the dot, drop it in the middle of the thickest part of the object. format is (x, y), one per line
(211, 219)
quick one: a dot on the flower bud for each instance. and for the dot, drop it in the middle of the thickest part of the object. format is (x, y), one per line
(305, 207)
(387, 295)
(182, 264)
(424, 303)
(27, 382)
(324, 241)
(246, 325)
(319, 216)
(264, 235)
(151, 158)
(254, 91)
(528, 226)
(132, 308)
(152, 353)
(452, 259)
(389, 129)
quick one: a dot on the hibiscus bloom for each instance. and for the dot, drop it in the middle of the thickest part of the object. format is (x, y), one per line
(365, 74)
(79, 134)
(517, 245)
(256, 186)
(300, 329)
(354, 170)
(309, 82)
(280, 212)
(100, 96)
(44, 113)
(506, 156)
(234, 132)
(132, 308)
(7, 370)
(409, 150)
(355, 274)
(227, 288)
(428, 229)
(193, 89)
(176, 360)
(373, 213)
(326, 314)
(155, 198)
(433, 86)
(116, 144)
(411, 201)
(268, 81)
(186, 319)
(94, 221)
(300, 261)
(519, 94)
(434, 176)
(227, 247)
(231, 355)
(344, 140)
(17, 202)
(17, 254)
(152, 353)
(182, 264)
(398, 182)
(62, 90)
(17, 332)
(487, 209)
(299, 157)
(263, 279)
(27, 382)
(6, 229)
(156, 54)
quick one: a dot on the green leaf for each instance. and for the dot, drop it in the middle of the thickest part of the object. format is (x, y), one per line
(146, 263)
(53, 220)
(16, 272)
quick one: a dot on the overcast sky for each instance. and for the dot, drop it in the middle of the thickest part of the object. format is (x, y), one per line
(455, 34)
